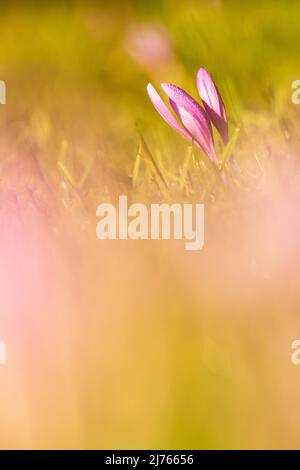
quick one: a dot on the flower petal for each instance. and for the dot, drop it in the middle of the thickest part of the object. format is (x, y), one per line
(164, 111)
(212, 102)
(193, 117)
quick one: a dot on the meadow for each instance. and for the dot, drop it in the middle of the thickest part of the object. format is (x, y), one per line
(139, 343)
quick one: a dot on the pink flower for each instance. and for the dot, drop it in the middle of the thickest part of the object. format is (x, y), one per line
(149, 46)
(191, 121)
(213, 103)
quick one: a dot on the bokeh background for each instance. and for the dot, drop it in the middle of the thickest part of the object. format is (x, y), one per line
(140, 344)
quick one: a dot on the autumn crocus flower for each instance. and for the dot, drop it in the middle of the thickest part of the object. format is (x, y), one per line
(191, 121)
(149, 46)
(213, 103)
